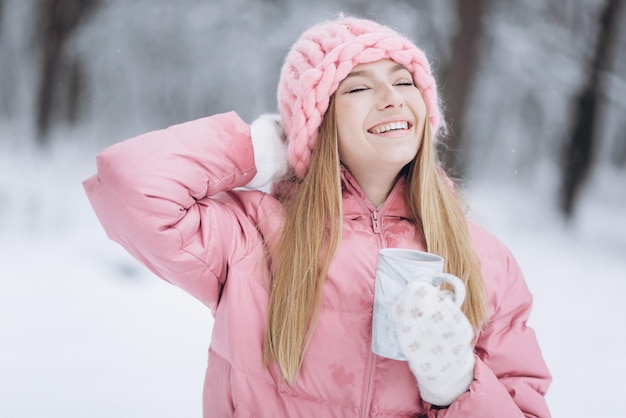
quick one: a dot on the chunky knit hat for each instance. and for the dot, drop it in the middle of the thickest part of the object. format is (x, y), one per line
(323, 56)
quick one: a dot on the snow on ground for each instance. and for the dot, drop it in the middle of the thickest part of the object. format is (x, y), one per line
(85, 331)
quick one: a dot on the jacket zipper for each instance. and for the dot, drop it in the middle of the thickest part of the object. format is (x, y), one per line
(371, 361)
(375, 222)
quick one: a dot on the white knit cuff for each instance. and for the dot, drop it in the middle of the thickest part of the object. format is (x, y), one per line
(270, 150)
(444, 391)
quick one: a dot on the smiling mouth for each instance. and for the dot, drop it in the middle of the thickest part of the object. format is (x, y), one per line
(387, 127)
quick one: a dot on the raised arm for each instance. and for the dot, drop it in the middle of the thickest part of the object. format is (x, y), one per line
(160, 196)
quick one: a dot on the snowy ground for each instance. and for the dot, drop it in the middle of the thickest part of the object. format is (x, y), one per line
(86, 332)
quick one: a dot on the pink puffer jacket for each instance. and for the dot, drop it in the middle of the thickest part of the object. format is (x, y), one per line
(170, 198)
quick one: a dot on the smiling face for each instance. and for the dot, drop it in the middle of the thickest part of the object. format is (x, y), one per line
(380, 120)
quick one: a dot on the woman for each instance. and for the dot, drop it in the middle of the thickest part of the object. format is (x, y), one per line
(289, 275)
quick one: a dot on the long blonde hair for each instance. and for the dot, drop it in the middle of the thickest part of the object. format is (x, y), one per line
(312, 232)
(438, 210)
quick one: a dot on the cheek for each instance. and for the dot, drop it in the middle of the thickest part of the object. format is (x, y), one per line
(345, 112)
(421, 107)
(348, 125)
(421, 116)
(343, 147)
(347, 148)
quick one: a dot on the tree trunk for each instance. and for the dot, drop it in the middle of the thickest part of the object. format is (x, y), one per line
(579, 148)
(59, 79)
(459, 77)
(1, 16)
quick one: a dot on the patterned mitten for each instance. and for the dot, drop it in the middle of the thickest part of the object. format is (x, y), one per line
(436, 338)
(270, 150)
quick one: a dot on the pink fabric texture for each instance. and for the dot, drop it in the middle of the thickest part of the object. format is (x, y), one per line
(173, 199)
(322, 57)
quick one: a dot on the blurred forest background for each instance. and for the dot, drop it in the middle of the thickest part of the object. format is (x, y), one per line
(533, 90)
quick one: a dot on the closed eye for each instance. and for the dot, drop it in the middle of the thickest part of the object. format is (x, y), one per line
(356, 90)
(405, 83)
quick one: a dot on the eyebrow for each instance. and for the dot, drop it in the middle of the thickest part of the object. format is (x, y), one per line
(362, 73)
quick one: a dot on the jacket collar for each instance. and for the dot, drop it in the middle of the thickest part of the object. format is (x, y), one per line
(357, 204)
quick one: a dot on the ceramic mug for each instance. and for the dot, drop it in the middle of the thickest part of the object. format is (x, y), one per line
(395, 269)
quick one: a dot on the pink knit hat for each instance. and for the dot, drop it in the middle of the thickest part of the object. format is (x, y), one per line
(323, 56)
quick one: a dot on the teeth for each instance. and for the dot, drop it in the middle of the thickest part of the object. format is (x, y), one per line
(390, 127)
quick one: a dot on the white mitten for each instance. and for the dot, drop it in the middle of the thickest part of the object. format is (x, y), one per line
(436, 337)
(270, 150)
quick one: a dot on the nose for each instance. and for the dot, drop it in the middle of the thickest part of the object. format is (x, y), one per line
(389, 97)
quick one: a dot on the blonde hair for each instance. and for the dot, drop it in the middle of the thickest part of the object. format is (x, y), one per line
(312, 232)
(437, 209)
(303, 253)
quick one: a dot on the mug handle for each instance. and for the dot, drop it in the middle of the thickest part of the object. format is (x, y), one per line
(455, 282)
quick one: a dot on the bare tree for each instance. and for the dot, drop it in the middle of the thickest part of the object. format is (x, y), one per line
(619, 153)
(60, 78)
(1, 15)
(459, 75)
(578, 151)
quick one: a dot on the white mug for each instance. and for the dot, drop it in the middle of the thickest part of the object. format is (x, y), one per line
(396, 268)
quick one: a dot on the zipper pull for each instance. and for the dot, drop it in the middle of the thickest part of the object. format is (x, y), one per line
(375, 223)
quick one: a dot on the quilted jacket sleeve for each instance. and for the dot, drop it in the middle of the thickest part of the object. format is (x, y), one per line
(155, 194)
(510, 376)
